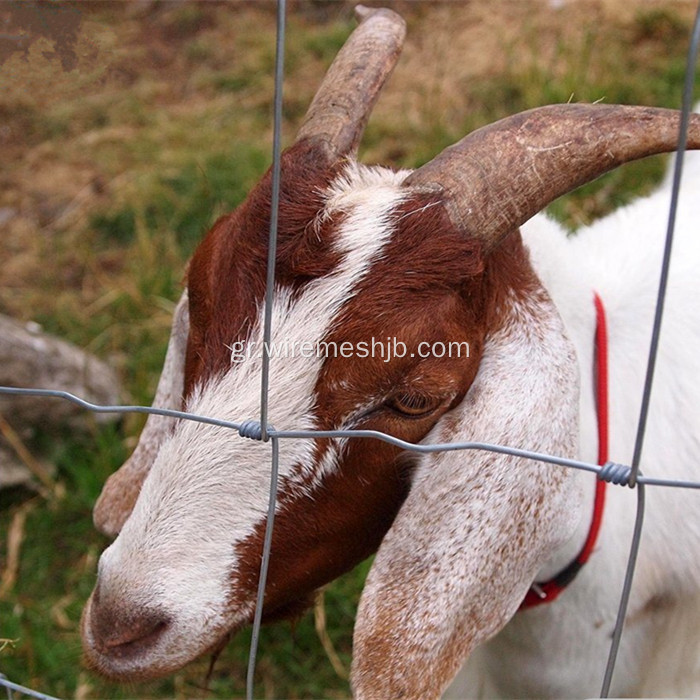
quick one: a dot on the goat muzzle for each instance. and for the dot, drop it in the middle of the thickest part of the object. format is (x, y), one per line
(120, 636)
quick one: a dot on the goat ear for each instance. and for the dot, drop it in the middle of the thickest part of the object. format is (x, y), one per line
(122, 488)
(476, 526)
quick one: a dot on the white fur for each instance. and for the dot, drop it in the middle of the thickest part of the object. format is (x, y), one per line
(560, 650)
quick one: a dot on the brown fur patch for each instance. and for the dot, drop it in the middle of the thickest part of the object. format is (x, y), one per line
(431, 284)
(226, 278)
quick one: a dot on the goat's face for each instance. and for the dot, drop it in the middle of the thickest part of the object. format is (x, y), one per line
(428, 265)
(356, 268)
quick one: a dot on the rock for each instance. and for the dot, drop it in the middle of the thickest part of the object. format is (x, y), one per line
(33, 359)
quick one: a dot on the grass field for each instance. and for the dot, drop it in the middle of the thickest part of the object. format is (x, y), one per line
(115, 164)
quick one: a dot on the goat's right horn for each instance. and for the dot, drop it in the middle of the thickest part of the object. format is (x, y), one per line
(499, 176)
(339, 112)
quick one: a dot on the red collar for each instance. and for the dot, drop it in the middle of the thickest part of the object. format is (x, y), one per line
(549, 590)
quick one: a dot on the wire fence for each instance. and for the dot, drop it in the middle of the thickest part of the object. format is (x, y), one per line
(611, 472)
(11, 687)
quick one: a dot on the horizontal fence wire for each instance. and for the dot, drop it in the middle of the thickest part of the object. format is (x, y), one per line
(612, 472)
(11, 688)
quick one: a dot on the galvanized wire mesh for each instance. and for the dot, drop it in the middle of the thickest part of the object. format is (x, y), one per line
(11, 688)
(620, 474)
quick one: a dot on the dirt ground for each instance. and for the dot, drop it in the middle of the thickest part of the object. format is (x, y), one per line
(80, 81)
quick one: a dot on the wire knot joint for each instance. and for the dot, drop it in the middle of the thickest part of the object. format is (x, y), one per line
(615, 473)
(252, 429)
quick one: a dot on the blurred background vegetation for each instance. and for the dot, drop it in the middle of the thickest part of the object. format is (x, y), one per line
(120, 150)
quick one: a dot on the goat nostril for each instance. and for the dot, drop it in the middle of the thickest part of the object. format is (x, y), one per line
(117, 633)
(139, 635)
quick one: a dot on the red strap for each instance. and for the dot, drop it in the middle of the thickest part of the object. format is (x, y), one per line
(602, 405)
(548, 591)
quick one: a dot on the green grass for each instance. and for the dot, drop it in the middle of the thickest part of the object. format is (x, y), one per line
(170, 131)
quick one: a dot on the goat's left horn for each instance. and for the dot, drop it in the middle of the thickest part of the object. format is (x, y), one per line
(499, 176)
(339, 112)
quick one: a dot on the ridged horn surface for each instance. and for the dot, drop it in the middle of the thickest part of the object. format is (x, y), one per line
(339, 112)
(499, 176)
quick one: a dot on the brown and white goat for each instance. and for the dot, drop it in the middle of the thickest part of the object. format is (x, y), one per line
(433, 256)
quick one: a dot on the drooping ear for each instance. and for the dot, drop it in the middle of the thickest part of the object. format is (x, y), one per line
(476, 526)
(122, 488)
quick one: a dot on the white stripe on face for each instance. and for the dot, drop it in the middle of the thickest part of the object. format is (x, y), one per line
(208, 489)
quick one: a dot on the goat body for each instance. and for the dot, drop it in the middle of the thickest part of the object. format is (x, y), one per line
(431, 257)
(560, 650)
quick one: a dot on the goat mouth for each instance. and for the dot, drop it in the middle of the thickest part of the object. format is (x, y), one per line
(130, 665)
(153, 654)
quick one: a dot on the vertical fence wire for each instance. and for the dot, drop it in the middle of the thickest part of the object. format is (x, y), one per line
(269, 527)
(274, 214)
(267, 336)
(625, 595)
(686, 107)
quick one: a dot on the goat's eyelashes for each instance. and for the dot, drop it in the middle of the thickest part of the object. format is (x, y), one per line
(413, 405)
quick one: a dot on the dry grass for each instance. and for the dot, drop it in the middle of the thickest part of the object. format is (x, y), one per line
(150, 91)
(15, 535)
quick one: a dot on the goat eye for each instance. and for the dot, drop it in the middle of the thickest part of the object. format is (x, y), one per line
(413, 405)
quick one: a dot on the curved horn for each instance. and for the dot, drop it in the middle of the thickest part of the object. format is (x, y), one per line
(499, 176)
(340, 110)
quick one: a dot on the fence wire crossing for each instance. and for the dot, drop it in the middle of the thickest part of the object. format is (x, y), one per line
(611, 472)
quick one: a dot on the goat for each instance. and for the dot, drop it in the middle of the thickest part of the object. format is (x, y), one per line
(435, 255)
